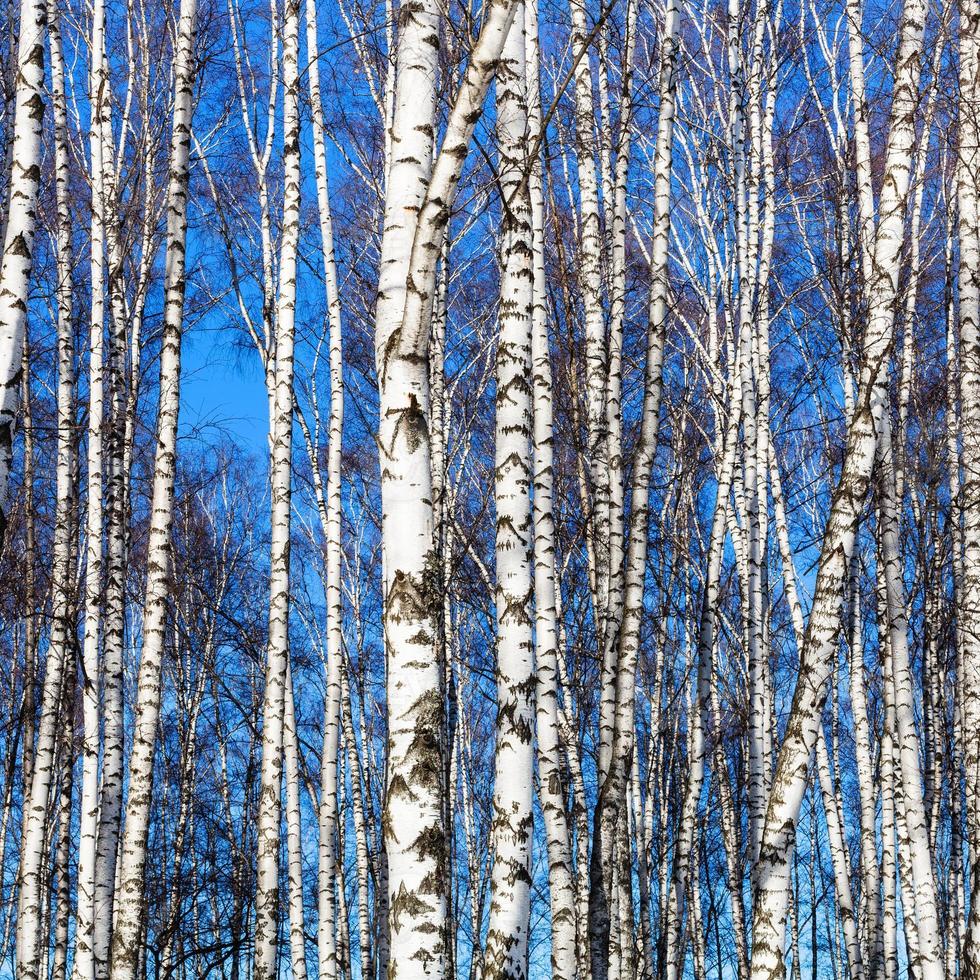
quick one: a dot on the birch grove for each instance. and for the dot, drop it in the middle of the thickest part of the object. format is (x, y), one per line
(490, 491)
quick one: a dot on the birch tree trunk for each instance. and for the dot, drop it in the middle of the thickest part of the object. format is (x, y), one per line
(913, 838)
(790, 779)
(968, 611)
(332, 520)
(33, 851)
(84, 967)
(596, 366)
(360, 831)
(281, 421)
(505, 957)
(20, 219)
(415, 834)
(416, 215)
(62, 914)
(614, 782)
(294, 835)
(130, 896)
(115, 519)
(547, 680)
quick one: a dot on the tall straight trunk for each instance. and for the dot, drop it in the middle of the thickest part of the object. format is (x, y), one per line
(747, 139)
(839, 860)
(62, 913)
(889, 928)
(612, 787)
(332, 521)
(816, 658)
(442, 504)
(960, 867)
(505, 957)
(130, 898)
(33, 850)
(645, 941)
(362, 853)
(115, 520)
(590, 274)
(866, 236)
(968, 607)
(417, 206)
(281, 424)
(18, 228)
(870, 877)
(862, 141)
(615, 185)
(914, 840)
(113, 618)
(547, 680)
(415, 832)
(728, 818)
(84, 963)
(28, 705)
(294, 836)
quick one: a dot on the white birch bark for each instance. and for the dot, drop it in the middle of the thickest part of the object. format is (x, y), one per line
(615, 186)
(547, 681)
(914, 838)
(590, 273)
(115, 489)
(33, 850)
(62, 914)
(130, 898)
(890, 965)
(505, 956)
(870, 877)
(417, 205)
(414, 828)
(331, 518)
(84, 967)
(362, 852)
(838, 851)
(18, 226)
(294, 835)
(968, 606)
(789, 783)
(613, 783)
(281, 423)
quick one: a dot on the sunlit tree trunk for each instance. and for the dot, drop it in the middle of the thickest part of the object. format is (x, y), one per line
(18, 227)
(281, 420)
(790, 780)
(331, 517)
(416, 214)
(616, 772)
(547, 680)
(58, 672)
(505, 957)
(130, 896)
(596, 355)
(968, 176)
(362, 853)
(914, 835)
(294, 835)
(84, 966)
(415, 835)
